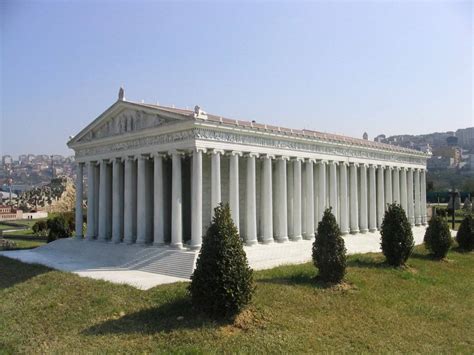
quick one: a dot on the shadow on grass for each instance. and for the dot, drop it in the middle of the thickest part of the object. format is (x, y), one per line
(368, 262)
(13, 272)
(300, 278)
(176, 315)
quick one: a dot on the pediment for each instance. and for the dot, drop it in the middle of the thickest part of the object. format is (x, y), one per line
(123, 119)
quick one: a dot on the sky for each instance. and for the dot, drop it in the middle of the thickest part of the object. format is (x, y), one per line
(347, 67)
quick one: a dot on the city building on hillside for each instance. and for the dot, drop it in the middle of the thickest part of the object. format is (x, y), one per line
(156, 173)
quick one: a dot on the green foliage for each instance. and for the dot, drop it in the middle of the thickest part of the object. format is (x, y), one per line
(40, 228)
(397, 237)
(329, 252)
(465, 235)
(6, 244)
(60, 226)
(438, 237)
(222, 283)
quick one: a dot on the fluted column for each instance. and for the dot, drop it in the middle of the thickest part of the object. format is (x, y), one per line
(423, 196)
(343, 198)
(403, 189)
(410, 200)
(234, 188)
(363, 200)
(176, 202)
(417, 198)
(380, 196)
(321, 189)
(388, 186)
(117, 200)
(216, 197)
(282, 208)
(396, 185)
(196, 200)
(297, 217)
(372, 200)
(130, 201)
(354, 217)
(251, 202)
(79, 196)
(309, 225)
(333, 188)
(158, 201)
(267, 207)
(141, 201)
(104, 202)
(91, 201)
(290, 190)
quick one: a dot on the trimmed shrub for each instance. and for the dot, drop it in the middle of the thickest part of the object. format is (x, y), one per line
(329, 252)
(397, 237)
(6, 244)
(222, 283)
(40, 228)
(59, 226)
(465, 234)
(438, 237)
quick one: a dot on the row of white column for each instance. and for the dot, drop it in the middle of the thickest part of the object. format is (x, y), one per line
(357, 193)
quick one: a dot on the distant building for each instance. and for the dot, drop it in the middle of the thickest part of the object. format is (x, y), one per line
(439, 163)
(365, 136)
(466, 137)
(7, 160)
(8, 213)
(380, 138)
(452, 141)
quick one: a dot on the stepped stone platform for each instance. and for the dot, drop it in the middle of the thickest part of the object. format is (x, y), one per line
(145, 267)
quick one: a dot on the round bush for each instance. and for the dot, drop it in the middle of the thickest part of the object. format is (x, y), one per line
(465, 234)
(40, 228)
(438, 237)
(222, 283)
(397, 237)
(329, 252)
(59, 226)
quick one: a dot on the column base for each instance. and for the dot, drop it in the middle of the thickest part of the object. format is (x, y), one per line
(129, 241)
(372, 230)
(159, 244)
(249, 243)
(79, 237)
(177, 246)
(354, 231)
(308, 237)
(296, 238)
(90, 237)
(417, 224)
(365, 230)
(282, 239)
(267, 241)
(344, 232)
(195, 247)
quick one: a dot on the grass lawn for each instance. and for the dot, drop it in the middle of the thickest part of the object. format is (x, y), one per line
(428, 307)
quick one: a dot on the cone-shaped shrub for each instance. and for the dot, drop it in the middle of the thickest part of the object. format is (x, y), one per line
(397, 237)
(222, 283)
(465, 235)
(329, 252)
(438, 237)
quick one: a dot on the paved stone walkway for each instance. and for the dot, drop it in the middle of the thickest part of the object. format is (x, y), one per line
(145, 267)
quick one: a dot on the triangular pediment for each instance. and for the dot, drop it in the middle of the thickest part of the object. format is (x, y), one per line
(124, 118)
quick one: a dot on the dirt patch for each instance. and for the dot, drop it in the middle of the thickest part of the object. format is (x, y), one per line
(249, 318)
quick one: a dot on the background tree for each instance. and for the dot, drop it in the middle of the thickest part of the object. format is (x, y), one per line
(438, 237)
(329, 252)
(222, 283)
(465, 234)
(397, 237)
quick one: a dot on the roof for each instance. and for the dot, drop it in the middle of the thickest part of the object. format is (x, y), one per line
(330, 137)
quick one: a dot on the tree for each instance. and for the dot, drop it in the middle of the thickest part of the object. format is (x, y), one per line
(329, 252)
(397, 237)
(438, 237)
(465, 234)
(222, 283)
(59, 226)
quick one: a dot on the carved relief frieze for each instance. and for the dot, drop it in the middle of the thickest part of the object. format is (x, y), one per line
(252, 140)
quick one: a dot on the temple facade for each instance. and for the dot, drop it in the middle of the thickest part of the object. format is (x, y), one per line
(153, 175)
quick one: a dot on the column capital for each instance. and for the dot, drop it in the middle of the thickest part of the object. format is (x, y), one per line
(283, 157)
(267, 156)
(395, 168)
(158, 155)
(176, 152)
(344, 163)
(297, 159)
(251, 155)
(322, 161)
(354, 164)
(216, 151)
(363, 165)
(333, 162)
(234, 153)
(310, 160)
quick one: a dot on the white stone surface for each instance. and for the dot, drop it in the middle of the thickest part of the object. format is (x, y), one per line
(145, 267)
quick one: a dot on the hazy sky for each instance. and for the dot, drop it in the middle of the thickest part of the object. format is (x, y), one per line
(342, 67)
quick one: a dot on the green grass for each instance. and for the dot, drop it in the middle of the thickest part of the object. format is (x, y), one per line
(428, 307)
